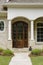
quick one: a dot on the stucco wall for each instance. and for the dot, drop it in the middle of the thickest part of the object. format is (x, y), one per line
(30, 13)
(4, 43)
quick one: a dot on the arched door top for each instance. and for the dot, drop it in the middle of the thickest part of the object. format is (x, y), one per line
(20, 19)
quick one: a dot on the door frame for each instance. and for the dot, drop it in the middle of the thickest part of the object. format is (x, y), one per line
(26, 21)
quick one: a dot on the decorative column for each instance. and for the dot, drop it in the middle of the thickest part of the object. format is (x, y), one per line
(32, 30)
(9, 30)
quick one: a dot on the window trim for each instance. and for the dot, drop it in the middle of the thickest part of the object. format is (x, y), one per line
(4, 26)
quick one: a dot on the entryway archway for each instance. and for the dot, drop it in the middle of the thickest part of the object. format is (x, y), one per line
(19, 34)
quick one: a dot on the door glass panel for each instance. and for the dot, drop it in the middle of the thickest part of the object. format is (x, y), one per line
(25, 36)
(25, 31)
(20, 27)
(25, 25)
(14, 31)
(14, 36)
(20, 31)
(20, 36)
(14, 27)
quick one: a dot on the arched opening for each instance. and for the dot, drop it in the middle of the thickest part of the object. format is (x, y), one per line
(19, 33)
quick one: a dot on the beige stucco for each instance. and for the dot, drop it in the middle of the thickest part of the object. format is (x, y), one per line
(4, 43)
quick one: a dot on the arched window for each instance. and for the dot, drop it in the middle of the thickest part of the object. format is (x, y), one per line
(1, 25)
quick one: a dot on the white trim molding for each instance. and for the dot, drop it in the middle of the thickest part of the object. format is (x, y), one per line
(9, 30)
(32, 30)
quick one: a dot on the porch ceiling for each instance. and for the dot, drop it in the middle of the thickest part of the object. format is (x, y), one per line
(12, 4)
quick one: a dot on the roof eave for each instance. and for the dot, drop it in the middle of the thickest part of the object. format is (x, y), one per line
(9, 4)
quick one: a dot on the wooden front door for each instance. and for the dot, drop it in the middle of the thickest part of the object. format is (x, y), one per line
(20, 34)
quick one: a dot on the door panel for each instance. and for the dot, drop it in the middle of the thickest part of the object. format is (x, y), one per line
(20, 43)
(20, 34)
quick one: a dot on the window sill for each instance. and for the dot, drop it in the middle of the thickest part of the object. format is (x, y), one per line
(39, 43)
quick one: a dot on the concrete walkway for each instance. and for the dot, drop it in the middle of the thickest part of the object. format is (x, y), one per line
(20, 59)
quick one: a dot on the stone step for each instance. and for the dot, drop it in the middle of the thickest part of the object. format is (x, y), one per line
(21, 49)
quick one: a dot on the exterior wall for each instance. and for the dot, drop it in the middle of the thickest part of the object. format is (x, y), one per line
(27, 1)
(4, 43)
(2, 2)
(30, 13)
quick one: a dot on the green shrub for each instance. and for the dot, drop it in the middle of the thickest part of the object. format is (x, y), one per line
(42, 50)
(7, 52)
(36, 52)
(1, 50)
